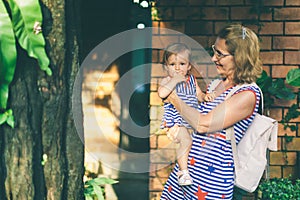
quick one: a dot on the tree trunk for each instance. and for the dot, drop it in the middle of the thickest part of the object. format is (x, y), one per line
(44, 123)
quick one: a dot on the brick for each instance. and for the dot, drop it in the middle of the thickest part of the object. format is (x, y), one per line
(278, 158)
(290, 171)
(275, 172)
(212, 71)
(282, 132)
(171, 2)
(154, 84)
(153, 141)
(157, 70)
(286, 42)
(202, 40)
(199, 28)
(155, 99)
(216, 13)
(271, 28)
(287, 13)
(242, 13)
(292, 28)
(283, 102)
(218, 27)
(274, 3)
(292, 57)
(201, 2)
(294, 145)
(272, 57)
(183, 12)
(163, 171)
(230, 2)
(165, 13)
(162, 41)
(292, 3)
(280, 71)
(266, 16)
(267, 69)
(190, 13)
(275, 113)
(265, 42)
(173, 26)
(155, 24)
(155, 184)
(155, 56)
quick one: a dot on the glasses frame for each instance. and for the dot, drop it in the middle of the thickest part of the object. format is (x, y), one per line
(218, 53)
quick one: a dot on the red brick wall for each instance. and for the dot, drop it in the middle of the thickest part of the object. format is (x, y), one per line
(279, 31)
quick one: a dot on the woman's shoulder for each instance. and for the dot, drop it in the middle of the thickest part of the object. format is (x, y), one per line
(249, 87)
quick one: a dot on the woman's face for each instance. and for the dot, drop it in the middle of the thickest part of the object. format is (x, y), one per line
(223, 59)
(178, 63)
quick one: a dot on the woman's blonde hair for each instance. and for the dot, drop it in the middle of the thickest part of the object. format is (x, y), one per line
(243, 43)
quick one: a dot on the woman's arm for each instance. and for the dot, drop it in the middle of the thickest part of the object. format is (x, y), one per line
(232, 110)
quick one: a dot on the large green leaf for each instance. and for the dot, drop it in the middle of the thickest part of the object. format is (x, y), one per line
(8, 54)
(102, 181)
(279, 90)
(27, 21)
(98, 192)
(293, 77)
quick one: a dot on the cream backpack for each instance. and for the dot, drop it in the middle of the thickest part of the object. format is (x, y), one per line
(250, 155)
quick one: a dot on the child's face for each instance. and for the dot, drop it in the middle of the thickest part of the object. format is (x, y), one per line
(178, 63)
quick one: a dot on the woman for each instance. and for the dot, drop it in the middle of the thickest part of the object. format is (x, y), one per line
(236, 56)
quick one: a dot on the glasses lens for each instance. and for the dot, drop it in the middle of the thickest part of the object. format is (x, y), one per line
(218, 54)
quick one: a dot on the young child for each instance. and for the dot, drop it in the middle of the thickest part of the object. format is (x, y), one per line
(177, 59)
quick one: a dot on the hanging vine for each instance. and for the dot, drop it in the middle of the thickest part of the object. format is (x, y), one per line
(20, 21)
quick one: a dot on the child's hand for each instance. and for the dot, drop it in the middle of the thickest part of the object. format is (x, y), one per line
(209, 97)
(178, 77)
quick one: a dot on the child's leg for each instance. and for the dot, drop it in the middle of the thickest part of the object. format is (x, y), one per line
(185, 140)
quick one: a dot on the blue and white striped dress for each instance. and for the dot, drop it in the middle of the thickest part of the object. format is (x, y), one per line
(210, 160)
(187, 92)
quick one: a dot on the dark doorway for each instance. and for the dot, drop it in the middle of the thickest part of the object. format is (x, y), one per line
(101, 20)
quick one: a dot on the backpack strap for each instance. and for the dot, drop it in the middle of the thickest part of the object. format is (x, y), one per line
(230, 131)
(213, 85)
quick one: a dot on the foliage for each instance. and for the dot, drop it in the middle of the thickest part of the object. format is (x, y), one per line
(292, 113)
(274, 88)
(92, 188)
(280, 189)
(7, 117)
(21, 20)
(293, 77)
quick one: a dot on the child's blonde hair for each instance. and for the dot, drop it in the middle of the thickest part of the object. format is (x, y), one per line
(174, 49)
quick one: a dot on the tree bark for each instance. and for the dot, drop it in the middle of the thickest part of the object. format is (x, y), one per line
(44, 122)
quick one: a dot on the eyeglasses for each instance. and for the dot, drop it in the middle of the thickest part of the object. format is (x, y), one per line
(218, 53)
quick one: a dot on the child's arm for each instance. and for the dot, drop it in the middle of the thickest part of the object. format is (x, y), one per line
(200, 94)
(166, 86)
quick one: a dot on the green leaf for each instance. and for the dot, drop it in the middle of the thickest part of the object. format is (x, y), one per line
(8, 54)
(98, 192)
(102, 181)
(3, 118)
(88, 197)
(293, 77)
(279, 90)
(27, 21)
(11, 121)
